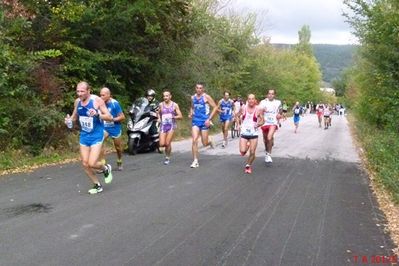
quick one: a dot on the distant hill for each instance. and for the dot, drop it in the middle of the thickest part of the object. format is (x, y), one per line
(332, 58)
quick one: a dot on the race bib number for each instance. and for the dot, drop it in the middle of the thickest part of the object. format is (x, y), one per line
(167, 118)
(86, 123)
(270, 118)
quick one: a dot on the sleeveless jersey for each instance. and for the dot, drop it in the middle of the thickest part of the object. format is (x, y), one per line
(272, 108)
(227, 108)
(200, 109)
(248, 125)
(167, 114)
(114, 108)
(89, 124)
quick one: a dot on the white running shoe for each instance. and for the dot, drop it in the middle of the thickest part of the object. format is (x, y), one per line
(268, 158)
(195, 164)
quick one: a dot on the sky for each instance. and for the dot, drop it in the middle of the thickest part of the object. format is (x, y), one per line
(280, 20)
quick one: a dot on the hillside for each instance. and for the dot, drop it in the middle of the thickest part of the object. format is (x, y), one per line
(332, 58)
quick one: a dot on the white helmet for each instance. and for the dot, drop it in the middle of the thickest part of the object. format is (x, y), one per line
(150, 92)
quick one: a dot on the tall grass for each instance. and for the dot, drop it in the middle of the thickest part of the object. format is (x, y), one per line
(381, 148)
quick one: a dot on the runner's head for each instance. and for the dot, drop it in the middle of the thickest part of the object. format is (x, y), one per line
(105, 94)
(226, 95)
(167, 96)
(271, 93)
(199, 88)
(251, 99)
(83, 90)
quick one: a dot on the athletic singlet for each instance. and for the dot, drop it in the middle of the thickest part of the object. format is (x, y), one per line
(248, 125)
(167, 114)
(227, 107)
(114, 108)
(89, 124)
(200, 109)
(272, 109)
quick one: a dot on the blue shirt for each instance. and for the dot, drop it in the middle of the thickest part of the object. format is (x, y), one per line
(227, 108)
(115, 109)
(200, 109)
(89, 124)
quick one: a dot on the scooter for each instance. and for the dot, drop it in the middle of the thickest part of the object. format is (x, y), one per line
(141, 117)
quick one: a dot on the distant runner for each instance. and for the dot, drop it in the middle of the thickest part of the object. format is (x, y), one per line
(226, 108)
(297, 110)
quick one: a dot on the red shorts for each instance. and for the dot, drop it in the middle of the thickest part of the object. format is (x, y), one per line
(265, 129)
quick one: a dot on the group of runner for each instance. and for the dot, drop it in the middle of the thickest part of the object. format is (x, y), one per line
(101, 117)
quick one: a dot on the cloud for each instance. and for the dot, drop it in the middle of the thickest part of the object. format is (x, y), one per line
(281, 19)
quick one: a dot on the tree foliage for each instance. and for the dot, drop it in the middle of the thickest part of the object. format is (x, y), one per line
(376, 25)
(46, 47)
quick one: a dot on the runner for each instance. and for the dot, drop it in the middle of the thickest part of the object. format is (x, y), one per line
(237, 107)
(297, 110)
(168, 113)
(327, 115)
(272, 113)
(201, 118)
(251, 120)
(89, 109)
(113, 128)
(225, 107)
(285, 110)
(320, 112)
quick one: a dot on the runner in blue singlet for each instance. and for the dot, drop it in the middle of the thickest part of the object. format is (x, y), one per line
(113, 128)
(226, 108)
(89, 110)
(201, 120)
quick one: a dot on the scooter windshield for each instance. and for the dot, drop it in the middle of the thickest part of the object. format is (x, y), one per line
(139, 108)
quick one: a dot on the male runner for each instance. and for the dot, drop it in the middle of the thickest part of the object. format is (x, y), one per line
(272, 113)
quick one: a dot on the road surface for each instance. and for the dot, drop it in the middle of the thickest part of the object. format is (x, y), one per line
(312, 206)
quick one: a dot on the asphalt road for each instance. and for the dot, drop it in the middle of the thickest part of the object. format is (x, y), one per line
(312, 206)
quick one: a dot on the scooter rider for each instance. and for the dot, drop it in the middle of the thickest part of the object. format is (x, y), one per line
(150, 95)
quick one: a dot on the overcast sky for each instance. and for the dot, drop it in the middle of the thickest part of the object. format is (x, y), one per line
(281, 19)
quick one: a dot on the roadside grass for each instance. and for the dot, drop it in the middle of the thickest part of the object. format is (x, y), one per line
(381, 149)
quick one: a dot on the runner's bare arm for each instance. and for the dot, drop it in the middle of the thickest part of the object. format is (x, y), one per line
(104, 112)
(178, 112)
(74, 115)
(261, 119)
(190, 114)
(213, 105)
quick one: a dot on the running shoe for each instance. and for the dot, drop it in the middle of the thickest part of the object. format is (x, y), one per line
(195, 164)
(268, 158)
(119, 164)
(97, 188)
(224, 144)
(108, 174)
(248, 169)
(167, 161)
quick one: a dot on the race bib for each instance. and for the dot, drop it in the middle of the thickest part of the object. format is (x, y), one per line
(86, 123)
(167, 118)
(270, 118)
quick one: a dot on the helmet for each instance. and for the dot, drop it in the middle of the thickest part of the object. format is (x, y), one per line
(150, 92)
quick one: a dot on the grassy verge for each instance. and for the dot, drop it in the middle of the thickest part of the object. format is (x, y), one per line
(381, 151)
